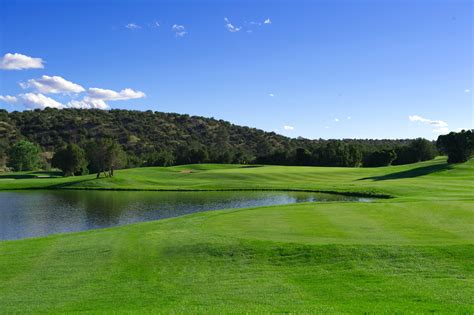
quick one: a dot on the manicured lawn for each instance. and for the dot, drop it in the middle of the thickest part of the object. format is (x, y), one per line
(411, 253)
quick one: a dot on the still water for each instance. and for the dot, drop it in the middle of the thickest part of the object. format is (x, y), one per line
(38, 213)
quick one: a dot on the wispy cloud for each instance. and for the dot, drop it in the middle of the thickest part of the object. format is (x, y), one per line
(179, 30)
(267, 21)
(288, 128)
(53, 85)
(20, 62)
(436, 123)
(440, 126)
(271, 95)
(230, 27)
(467, 90)
(133, 26)
(336, 119)
(110, 95)
(8, 99)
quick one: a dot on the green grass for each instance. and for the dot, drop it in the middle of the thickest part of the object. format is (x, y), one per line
(412, 253)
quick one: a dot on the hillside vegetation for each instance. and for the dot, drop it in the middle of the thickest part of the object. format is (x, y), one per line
(162, 139)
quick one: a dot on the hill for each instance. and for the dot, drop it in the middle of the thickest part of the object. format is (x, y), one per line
(148, 136)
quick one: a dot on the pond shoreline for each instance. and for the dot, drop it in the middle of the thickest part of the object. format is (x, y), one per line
(334, 192)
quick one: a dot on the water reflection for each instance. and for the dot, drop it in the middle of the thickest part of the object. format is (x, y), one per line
(38, 213)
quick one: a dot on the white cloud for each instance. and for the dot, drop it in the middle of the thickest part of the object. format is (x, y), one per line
(52, 85)
(110, 95)
(179, 30)
(267, 21)
(349, 117)
(336, 119)
(467, 90)
(231, 28)
(440, 126)
(156, 24)
(88, 103)
(133, 26)
(271, 95)
(436, 123)
(37, 100)
(20, 62)
(289, 128)
(8, 99)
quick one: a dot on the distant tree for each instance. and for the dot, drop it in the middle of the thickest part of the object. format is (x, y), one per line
(354, 157)
(303, 157)
(104, 156)
(24, 156)
(423, 149)
(159, 158)
(277, 157)
(416, 151)
(380, 158)
(199, 155)
(226, 157)
(71, 160)
(459, 146)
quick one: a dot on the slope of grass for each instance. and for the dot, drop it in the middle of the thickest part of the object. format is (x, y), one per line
(431, 178)
(412, 253)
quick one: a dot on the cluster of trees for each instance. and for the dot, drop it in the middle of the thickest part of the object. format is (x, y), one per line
(458, 146)
(80, 141)
(354, 154)
(101, 156)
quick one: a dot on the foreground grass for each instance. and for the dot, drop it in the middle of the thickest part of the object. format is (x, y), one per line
(412, 253)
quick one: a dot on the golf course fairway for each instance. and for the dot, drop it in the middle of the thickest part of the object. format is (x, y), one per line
(410, 253)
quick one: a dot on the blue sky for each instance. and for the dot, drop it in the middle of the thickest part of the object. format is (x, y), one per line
(323, 69)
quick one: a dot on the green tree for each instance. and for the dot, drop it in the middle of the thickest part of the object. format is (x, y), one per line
(104, 156)
(459, 146)
(24, 156)
(71, 160)
(159, 158)
(380, 158)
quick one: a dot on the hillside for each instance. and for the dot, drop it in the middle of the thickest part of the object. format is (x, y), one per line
(189, 139)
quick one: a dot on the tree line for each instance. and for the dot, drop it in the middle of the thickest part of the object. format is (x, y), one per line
(93, 141)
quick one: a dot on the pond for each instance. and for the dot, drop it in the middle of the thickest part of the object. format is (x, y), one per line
(38, 213)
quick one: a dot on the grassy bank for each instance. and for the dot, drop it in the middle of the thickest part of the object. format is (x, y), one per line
(411, 253)
(400, 181)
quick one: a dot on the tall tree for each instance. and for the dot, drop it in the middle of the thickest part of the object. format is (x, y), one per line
(380, 158)
(104, 156)
(24, 156)
(71, 160)
(459, 146)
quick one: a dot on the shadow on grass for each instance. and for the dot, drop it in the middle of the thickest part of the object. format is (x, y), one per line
(38, 174)
(70, 184)
(416, 172)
